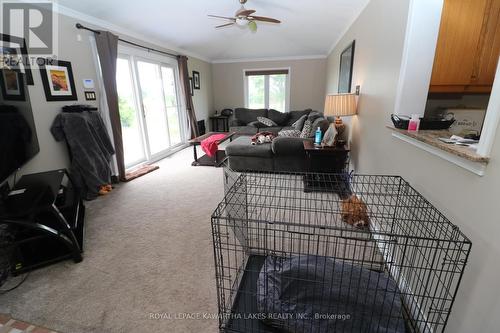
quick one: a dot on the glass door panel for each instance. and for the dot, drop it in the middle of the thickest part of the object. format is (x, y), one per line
(133, 142)
(150, 86)
(171, 103)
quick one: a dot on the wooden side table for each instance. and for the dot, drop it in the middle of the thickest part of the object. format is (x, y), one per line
(219, 123)
(205, 160)
(326, 160)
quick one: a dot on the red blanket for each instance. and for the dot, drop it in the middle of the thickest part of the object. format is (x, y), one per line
(211, 144)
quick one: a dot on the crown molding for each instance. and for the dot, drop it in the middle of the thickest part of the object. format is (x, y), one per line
(124, 32)
(305, 57)
(347, 29)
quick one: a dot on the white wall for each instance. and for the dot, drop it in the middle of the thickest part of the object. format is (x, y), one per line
(307, 82)
(54, 155)
(469, 201)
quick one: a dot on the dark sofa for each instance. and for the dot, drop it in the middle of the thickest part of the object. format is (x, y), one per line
(244, 121)
(283, 154)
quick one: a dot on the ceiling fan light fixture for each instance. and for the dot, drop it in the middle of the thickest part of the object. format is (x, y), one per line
(241, 22)
(252, 26)
(245, 18)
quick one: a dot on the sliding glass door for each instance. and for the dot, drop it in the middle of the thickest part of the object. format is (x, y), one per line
(130, 116)
(149, 108)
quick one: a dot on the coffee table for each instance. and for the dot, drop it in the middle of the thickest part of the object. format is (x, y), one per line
(205, 160)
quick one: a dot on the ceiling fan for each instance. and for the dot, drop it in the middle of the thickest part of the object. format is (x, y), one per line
(244, 17)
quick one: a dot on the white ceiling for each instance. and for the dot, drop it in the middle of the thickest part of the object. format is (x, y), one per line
(309, 27)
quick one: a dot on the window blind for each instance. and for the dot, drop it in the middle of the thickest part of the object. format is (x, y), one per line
(266, 72)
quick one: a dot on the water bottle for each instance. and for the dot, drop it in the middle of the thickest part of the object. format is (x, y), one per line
(317, 137)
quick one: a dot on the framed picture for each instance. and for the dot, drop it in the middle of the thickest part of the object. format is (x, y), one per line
(191, 87)
(345, 73)
(22, 63)
(58, 81)
(196, 79)
(12, 85)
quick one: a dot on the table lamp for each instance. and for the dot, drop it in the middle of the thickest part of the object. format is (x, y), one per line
(341, 105)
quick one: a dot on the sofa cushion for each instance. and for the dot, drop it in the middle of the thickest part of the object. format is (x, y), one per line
(320, 122)
(307, 129)
(274, 129)
(290, 133)
(246, 116)
(288, 146)
(295, 115)
(256, 124)
(266, 121)
(299, 124)
(242, 146)
(244, 130)
(279, 118)
(314, 115)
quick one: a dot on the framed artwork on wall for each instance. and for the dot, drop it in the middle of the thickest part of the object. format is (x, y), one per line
(345, 72)
(191, 86)
(21, 61)
(58, 81)
(12, 85)
(196, 80)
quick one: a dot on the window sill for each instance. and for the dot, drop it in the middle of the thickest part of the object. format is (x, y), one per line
(459, 155)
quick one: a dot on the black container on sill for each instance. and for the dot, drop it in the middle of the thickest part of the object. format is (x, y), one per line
(402, 122)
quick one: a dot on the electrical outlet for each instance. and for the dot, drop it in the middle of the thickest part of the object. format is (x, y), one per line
(90, 96)
(358, 88)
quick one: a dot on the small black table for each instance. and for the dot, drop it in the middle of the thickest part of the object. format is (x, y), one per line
(219, 123)
(47, 213)
(325, 160)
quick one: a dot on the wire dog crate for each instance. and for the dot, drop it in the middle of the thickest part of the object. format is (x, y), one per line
(286, 261)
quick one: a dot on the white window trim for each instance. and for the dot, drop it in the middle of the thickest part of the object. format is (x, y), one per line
(266, 86)
(424, 19)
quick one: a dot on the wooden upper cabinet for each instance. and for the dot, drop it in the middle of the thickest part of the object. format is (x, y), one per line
(468, 46)
(489, 47)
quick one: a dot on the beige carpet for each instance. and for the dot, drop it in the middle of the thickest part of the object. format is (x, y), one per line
(148, 253)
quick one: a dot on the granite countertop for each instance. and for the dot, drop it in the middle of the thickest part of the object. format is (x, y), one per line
(431, 138)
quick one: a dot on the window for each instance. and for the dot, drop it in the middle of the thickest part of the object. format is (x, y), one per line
(267, 89)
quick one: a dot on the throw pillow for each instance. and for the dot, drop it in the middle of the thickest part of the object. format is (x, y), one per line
(320, 122)
(299, 124)
(329, 136)
(290, 133)
(256, 124)
(314, 115)
(307, 129)
(266, 121)
(280, 118)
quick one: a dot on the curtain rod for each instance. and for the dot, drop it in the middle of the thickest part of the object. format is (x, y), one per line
(79, 26)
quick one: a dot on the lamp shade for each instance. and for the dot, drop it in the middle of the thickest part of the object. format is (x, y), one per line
(341, 105)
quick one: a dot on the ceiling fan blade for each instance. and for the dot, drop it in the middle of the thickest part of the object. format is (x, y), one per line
(224, 25)
(264, 19)
(223, 17)
(245, 12)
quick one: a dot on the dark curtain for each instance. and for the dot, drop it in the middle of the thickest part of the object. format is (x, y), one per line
(107, 47)
(184, 77)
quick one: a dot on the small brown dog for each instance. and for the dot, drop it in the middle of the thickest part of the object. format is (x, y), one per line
(355, 212)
